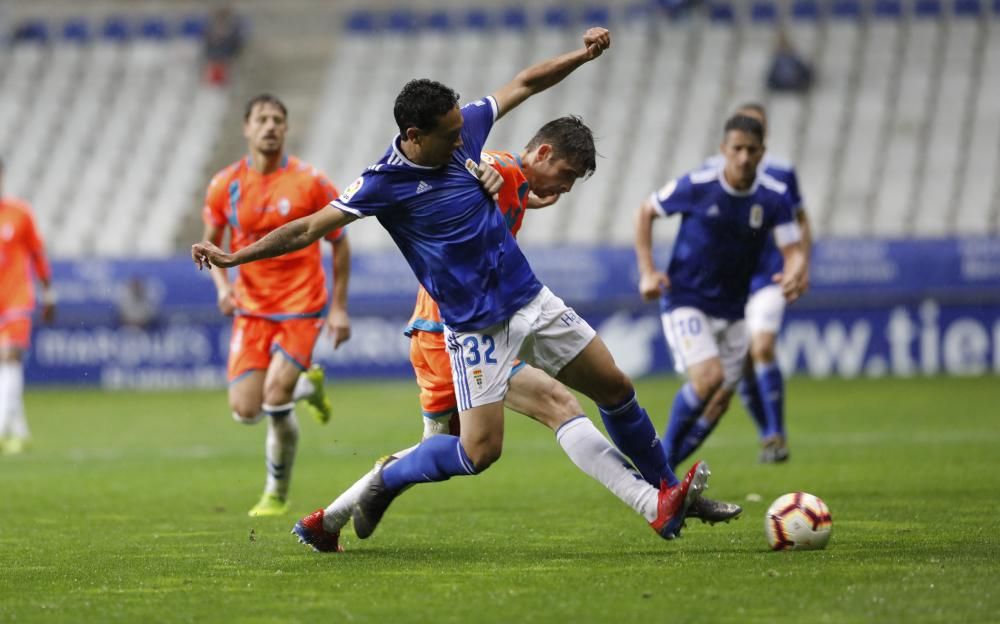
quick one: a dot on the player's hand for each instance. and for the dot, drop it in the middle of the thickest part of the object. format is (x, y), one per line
(338, 323)
(206, 255)
(227, 302)
(653, 285)
(490, 178)
(534, 201)
(596, 41)
(48, 313)
(793, 284)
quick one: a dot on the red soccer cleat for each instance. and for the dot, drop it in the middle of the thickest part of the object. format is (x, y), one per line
(311, 532)
(673, 502)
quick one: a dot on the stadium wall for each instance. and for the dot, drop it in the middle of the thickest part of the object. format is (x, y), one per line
(876, 308)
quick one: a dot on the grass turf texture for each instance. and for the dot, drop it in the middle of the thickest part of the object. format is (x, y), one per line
(132, 508)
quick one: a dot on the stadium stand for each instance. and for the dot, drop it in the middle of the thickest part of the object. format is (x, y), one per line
(898, 137)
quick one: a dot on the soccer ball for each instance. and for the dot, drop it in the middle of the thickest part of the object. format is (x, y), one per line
(798, 521)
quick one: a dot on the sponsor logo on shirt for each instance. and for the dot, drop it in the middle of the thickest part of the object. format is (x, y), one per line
(423, 187)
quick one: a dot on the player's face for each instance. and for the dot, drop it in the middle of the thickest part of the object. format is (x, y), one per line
(438, 144)
(548, 175)
(742, 151)
(265, 129)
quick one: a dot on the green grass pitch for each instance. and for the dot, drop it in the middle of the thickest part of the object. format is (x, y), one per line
(131, 507)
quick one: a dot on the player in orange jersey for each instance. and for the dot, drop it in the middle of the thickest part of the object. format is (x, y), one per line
(561, 152)
(279, 306)
(22, 258)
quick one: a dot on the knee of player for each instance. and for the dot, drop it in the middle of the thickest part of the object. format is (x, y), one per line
(708, 380)
(277, 393)
(485, 453)
(246, 416)
(762, 351)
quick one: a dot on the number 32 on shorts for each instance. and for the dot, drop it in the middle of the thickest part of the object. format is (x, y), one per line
(473, 344)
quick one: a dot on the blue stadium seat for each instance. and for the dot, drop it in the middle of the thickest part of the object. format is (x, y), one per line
(888, 9)
(967, 8)
(928, 8)
(557, 17)
(721, 12)
(76, 30)
(805, 10)
(996, 7)
(640, 11)
(596, 16)
(153, 28)
(514, 18)
(402, 21)
(361, 22)
(764, 12)
(846, 9)
(440, 20)
(478, 19)
(36, 31)
(116, 28)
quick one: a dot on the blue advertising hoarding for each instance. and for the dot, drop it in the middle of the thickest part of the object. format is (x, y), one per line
(875, 308)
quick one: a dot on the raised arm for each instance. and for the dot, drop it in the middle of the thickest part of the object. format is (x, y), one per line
(289, 237)
(541, 76)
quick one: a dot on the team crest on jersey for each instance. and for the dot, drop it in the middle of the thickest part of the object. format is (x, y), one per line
(284, 206)
(756, 216)
(477, 376)
(351, 190)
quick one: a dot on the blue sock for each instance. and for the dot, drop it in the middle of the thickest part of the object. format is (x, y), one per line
(772, 394)
(750, 394)
(686, 409)
(695, 435)
(629, 427)
(437, 458)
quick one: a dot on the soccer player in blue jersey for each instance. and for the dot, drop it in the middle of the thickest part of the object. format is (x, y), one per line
(729, 213)
(762, 388)
(425, 193)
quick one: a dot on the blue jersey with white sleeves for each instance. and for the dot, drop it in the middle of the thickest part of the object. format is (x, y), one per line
(771, 260)
(722, 236)
(449, 230)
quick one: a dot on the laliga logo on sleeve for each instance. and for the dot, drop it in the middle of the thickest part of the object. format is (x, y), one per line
(351, 190)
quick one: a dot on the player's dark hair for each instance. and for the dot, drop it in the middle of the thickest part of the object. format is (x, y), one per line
(571, 140)
(263, 98)
(421, 103)
(757, 107)
(744, 123)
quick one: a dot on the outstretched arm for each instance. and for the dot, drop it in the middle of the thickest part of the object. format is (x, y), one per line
(540, 77)
(289, 237)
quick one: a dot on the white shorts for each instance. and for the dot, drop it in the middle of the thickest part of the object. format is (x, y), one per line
(765, 310)
(694, 337)
(546, 333)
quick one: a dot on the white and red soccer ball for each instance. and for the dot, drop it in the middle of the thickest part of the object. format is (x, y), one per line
(798, 521)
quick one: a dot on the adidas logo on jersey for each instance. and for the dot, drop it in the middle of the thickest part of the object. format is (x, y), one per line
(423, 186)
(713, 210)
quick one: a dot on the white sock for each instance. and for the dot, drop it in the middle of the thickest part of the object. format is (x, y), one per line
(15, 425)
(437, 426)
(336, 515)
(279, 448)
(596, 456)
(303, 387)
(5, 400)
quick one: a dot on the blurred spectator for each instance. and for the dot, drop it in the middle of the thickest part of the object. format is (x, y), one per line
(223, 43)
(788, 71)
(135, 307)
(675, 8)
